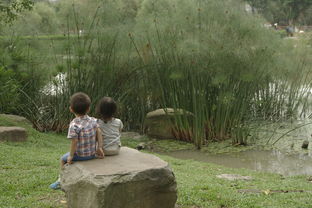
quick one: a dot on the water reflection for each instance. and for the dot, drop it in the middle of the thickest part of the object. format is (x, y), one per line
(268, 161)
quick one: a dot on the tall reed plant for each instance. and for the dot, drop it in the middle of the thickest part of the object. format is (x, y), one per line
(206, 57)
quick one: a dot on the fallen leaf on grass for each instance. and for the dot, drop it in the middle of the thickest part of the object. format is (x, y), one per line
(63, 201)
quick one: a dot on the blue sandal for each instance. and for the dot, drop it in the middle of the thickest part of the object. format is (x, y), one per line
(56, 185)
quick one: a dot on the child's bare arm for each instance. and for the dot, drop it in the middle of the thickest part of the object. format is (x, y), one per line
(99, 139)
(73, 147)
(120, 127)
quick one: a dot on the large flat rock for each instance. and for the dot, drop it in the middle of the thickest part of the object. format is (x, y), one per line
(129, 180)
(13, 133)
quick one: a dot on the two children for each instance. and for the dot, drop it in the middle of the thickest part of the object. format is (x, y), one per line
(86, 133)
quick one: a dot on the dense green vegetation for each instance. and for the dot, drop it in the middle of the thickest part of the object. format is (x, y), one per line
(208, 57)
(27, 169)
(284, 12)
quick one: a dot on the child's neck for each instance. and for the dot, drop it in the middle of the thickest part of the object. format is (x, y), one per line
(79, 115)
(107, 119)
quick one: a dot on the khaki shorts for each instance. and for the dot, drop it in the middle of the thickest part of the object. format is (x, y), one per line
(112, 150)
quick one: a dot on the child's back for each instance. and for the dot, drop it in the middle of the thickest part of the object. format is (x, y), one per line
(84, 130)
(111, 131)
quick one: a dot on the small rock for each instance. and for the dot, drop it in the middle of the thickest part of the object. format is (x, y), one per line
(232, 177)
(14, 134)
(141, 146)
(305, 144)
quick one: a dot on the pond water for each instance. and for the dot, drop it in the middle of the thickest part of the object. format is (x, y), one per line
(287, 158)
(268, 161)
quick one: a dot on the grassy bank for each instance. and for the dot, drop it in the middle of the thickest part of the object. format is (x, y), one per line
(27, 169)
(168, 145)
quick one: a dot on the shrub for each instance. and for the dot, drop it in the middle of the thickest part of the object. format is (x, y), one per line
(9, 92)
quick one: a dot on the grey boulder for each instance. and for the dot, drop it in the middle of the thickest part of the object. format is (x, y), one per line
(160, 123)
(13, 134)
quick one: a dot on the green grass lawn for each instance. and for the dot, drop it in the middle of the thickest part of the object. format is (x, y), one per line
(27, 169)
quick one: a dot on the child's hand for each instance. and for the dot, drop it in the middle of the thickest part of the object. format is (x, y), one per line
(70, 159)
(100, 153)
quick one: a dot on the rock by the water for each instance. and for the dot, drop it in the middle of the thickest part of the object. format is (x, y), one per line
(129, 180)
(141, 146)
(145, 145)
(166, 112)
(305, 144)
(14, 134)
(159, 123)
(232, 177)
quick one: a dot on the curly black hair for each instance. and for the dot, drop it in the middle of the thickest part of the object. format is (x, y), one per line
(80, 103)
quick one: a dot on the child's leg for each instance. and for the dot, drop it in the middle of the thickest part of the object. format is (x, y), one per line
(78, 158)
(75, 158)
(64, 160)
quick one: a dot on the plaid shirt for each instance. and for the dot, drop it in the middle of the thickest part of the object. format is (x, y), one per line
(84, 129)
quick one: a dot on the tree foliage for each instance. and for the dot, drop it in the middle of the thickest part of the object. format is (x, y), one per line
(9, 9)
(283, 11)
